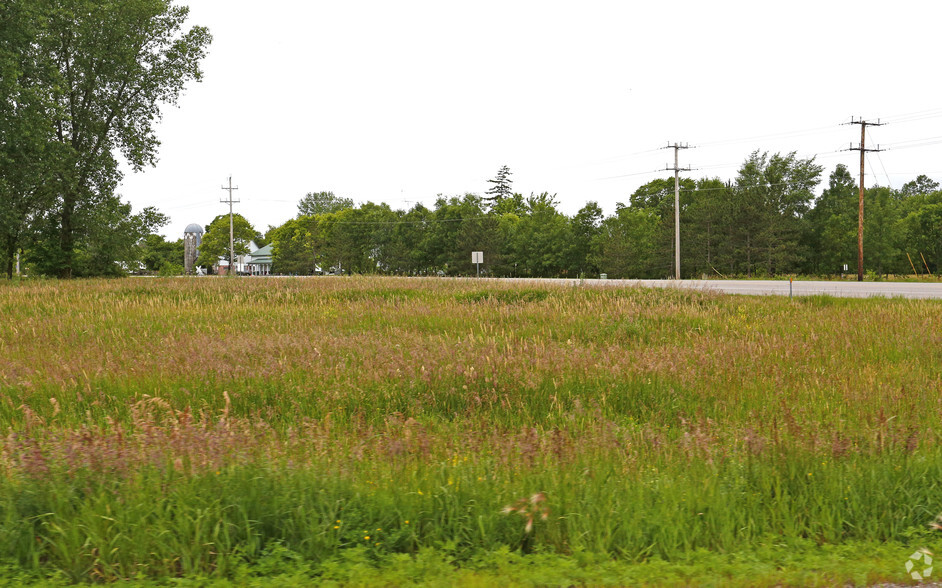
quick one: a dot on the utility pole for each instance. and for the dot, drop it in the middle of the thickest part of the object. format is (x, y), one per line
(230, 202)
(677, 169)
(860, 214)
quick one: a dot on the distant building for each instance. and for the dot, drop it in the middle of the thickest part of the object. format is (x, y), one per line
(192, 238)
(244, 260)
(259, 263)
(256, 263)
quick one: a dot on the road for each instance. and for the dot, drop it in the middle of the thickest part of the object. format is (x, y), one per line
(839, 289)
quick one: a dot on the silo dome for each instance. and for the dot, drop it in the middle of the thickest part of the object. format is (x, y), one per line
(193, 228)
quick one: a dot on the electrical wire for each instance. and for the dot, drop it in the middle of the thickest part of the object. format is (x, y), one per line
(911, 143)
(785, 134)
(880, 159)
(644, 173)
(913, 116)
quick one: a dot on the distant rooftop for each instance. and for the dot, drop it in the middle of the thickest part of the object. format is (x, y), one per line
(263, 252)
(193, 228)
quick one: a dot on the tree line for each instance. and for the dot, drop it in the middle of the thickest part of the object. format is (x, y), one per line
(766, 221)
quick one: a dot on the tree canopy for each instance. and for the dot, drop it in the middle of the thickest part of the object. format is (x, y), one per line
(83, 81)
(315, 203)
(215, 243)
(766, 221)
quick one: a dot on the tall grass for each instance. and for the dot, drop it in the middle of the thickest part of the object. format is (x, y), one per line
(174, 427)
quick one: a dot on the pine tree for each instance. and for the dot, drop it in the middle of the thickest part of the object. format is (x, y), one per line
(500, 187)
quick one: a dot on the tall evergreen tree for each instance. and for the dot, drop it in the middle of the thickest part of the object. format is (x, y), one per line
(501, 187)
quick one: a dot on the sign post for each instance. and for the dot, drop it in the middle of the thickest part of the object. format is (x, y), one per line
(477, 258)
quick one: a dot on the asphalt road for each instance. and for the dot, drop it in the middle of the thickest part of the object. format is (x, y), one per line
(839, 289)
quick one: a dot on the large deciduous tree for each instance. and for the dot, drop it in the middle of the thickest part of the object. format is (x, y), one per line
(772, 196)
(293, 246)
(26, 129)
(315, 203)
(542, 240)
(626, 242)
(160, 255)
(922, 185)
(111, 65)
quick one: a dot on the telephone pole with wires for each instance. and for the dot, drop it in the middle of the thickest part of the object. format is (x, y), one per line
(230, 202)
(860, 215)
(677, 169)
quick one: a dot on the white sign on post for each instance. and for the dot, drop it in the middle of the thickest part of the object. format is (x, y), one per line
(477, 258)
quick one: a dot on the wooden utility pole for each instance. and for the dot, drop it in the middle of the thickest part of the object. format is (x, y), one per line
(230, 201)
(677, 169)
(860, 215)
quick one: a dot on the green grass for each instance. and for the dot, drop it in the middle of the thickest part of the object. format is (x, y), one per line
(374, 431)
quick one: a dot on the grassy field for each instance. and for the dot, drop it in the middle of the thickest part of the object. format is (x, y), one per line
(383, 431)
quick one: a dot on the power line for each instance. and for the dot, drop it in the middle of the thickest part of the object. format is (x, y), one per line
(784, 134)
(897, 118)
(619, 157)
(913, 116)
(880, 159)
(711, 166)
(730, 141)
(644, 173)
(910, 143)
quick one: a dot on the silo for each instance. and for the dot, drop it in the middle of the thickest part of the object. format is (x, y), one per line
(192, 237)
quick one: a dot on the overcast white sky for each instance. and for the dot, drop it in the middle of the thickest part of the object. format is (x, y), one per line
(398, 101)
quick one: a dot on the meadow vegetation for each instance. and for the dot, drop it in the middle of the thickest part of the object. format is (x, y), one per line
(389, 430)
